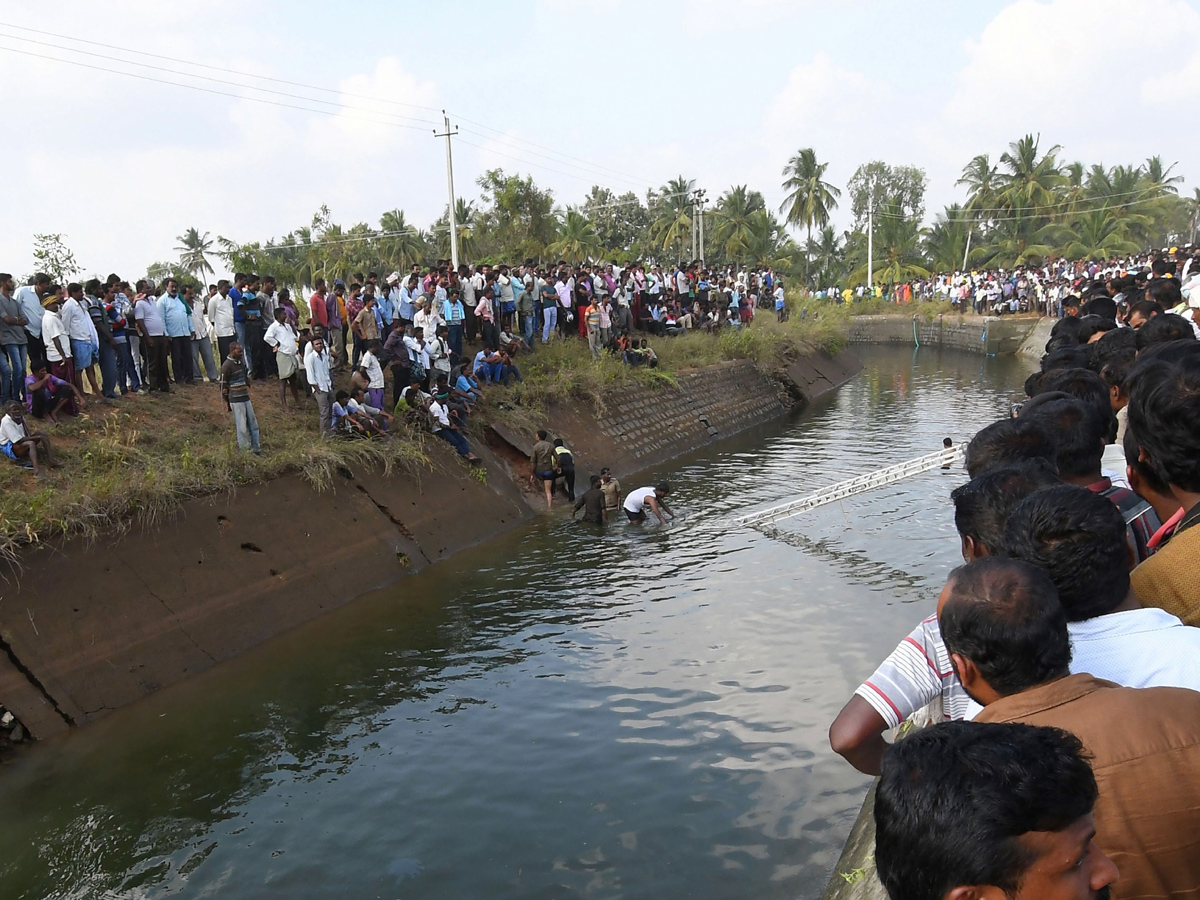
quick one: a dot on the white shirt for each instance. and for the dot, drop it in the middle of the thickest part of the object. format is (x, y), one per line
(52, 327)
(637, 499)
(440, 418)
(220, 313)
(1137, 648)
(374, 370)
(316, 366)
(76, 320)
(199, 322)
(11, 431)
(32, 306)
(281, 336)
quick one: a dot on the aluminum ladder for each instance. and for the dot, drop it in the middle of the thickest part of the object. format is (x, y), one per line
(843, 489)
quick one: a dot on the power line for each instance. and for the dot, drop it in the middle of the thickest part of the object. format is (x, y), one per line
(1059, 203)
(248, 87)
(222, 69)
(196, 87)
(1027, 212)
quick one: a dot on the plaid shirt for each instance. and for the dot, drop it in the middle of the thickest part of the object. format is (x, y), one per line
(1141, 521)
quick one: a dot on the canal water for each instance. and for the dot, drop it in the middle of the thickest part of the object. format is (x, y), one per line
(561, 712)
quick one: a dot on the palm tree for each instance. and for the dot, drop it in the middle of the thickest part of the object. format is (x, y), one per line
(1160, 177)
(1030, 180)
(194, 248)
(980, 177)
(827, 254)
(400, 243)
(948, 238)
(811, 199)
(733, 231)
(1100, 235)
(672, 210)
(577, 240)
(898, 256)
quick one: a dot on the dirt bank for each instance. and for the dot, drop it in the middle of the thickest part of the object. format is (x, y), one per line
(87, 627)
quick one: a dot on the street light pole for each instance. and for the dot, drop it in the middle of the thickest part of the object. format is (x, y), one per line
(871, 238)
(450, 181)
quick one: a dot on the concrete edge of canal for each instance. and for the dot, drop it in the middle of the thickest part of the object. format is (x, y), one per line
(89, 627)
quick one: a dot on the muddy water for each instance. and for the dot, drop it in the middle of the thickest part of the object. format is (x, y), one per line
(561, 712)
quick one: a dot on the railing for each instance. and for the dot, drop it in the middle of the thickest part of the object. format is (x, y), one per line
(852, 486)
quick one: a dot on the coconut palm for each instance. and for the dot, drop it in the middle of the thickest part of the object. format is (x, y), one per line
(194, 248)
(946, 240)
(1159, 176)
(980, 177)
(898, 255)
(577, 240)
(1099, 234)
(826, 255)
(400, 244)
(672, 210)
(811, 199)
(1029, 179)
(733, 231)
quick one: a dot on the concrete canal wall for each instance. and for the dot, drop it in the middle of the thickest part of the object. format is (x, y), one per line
(86, 628)
(989, 335)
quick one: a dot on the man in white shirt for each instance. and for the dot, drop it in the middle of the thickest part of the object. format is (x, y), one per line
(316, 368)
(220, 314)
(282, 338)
(427, 317)
(58, 344)
(1078, 537)
(82, 334)
(202, 348)
(374, 373)
(653, 497)
(17, 443)
(30, 298)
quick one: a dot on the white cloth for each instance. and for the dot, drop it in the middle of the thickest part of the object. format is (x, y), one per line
(52, 327)
(76, 321)
(316, 368)
(637, 499)
(374, 371)
(1137, 648)
(220, 313)
(199, 322)
(440, 418)
(32, 307)
(11, 431)
(282, 335)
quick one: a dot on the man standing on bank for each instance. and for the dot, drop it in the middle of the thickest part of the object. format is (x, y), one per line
(235, 391)
(653, 497)
(543, 465)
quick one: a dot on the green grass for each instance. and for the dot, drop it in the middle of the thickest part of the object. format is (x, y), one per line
(139, 459)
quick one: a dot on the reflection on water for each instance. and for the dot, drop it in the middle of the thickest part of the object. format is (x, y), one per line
(563, 712)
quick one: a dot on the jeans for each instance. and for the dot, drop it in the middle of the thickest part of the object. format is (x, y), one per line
(239, 334)
(528, 327)
(455, 440)
(510, 371)
(246, 425)
(490, 372)
(255, 363)
(108, 370)
(12, 367)
(127, 373)
(550, 314)
(455, 339)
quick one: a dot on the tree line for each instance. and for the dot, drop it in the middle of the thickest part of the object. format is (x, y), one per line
(1027, 206)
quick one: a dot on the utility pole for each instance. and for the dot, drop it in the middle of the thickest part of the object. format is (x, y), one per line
(700, 202)
(693, 256)
(450, 180)
(871, 238)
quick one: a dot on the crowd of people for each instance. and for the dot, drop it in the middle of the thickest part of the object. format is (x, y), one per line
(100, 341)
(1061, 668)
(1045, 289)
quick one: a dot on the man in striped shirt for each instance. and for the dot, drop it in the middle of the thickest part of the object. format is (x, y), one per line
(235, 391)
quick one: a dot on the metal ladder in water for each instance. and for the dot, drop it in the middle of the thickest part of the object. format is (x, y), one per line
(850, 487)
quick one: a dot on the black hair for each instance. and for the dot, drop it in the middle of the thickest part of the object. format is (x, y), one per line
(558, 442)
(1079, 434)
(1067, 328)
(1065, 358)
(341, 395)
(1104, 307)
(955, 799)
(542, 434)
(1147, 473)
(1166, 291)
(1147, 308)
(1093, 324)
(594, 480)
(1005, 617)
(1159, 267)
(1164, 409)
(983, 504)
(1079, 538)
(663, 487)
(1167, 327)
(38, 365)
(41, 278)
(1116, 342)
(1085, 385)
(1115, 371)
(1005, 442)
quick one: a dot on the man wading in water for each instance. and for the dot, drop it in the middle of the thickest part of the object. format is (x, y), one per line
(653, 497)
(543, 465)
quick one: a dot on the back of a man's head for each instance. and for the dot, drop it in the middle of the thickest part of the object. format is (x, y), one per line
(1101, 306)
(1004, 616)
(1005, 442)
(1167, 327)
(1078, 538)
(964, 804)
(1085, 385)
(1079, 435)
(983, 504)
(1164, 414)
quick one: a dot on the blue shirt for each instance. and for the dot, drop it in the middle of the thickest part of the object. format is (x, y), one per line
(465, 384)
(235, 297)
(176, 321)
(453, 312)
(407, 311)
(385, 308)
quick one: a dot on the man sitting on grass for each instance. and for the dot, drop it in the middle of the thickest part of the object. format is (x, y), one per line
(48, 396)
(17, 444)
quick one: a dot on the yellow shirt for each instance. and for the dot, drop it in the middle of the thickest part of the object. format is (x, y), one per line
(1170, 579)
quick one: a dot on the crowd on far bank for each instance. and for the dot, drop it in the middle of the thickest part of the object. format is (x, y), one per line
(1062, 664)
(66, 346)
(1043, 289)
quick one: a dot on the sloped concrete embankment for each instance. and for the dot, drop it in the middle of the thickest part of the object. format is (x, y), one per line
(89, 627)
(987, 335)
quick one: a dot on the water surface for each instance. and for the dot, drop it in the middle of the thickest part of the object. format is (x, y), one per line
(561, 712)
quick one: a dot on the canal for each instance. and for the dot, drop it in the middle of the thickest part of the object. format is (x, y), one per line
(560, 712)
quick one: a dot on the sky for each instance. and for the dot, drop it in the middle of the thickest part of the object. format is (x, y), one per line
(572, 92)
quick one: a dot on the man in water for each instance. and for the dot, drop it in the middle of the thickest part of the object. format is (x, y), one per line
(542, 465)
(612, 491)
(653, 497)
(592, 503)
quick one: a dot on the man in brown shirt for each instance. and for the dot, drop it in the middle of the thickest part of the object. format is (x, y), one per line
(1006, 633)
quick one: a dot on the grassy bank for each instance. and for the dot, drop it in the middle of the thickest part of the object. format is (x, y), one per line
(139, 458)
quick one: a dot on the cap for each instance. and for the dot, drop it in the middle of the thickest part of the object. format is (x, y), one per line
(394, 278)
